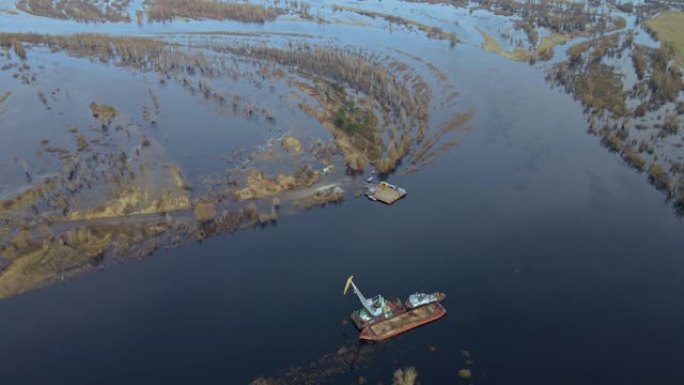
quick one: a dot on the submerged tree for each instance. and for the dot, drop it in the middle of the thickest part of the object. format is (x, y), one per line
(406, 376)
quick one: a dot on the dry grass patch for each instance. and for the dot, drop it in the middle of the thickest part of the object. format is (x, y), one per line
(140, 53)
(205, 211)
(292, 144)
(430, 31)
(669, 27)
(548, 43)
(79, 10)
(39, 262)
(103, 111)
(166, 10)
(321, 198)
(28, 197)
(260, 186)
(490, 44)
(634, 159)
(543, 52)
(597, 85)
(150, 192)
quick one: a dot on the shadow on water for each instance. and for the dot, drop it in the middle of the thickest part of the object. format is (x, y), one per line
(341, 364)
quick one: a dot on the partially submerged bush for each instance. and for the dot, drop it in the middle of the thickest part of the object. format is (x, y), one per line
(81, 143)
(639, 60)
(291, 144)
(19, 50)
(601, 89)
(103, 111)
(575, 52)
(4, 96)
(671, 124)
(204, 211)
(659, 177)
(666, 79)
(406, 376)
(633, 158)
(612, 141)
(679, 200)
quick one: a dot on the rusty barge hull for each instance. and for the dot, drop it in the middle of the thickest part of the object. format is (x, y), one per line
(403, 323)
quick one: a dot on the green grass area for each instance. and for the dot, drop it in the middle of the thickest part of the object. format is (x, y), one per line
(360, 124)
(355, 121)
(669, 26)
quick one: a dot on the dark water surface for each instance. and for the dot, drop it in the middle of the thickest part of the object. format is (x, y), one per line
(561, 266)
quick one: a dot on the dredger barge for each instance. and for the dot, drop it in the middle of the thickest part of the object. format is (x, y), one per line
(380, 319)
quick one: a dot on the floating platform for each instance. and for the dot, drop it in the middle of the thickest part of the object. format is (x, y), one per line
(403, 323)
(385, 193)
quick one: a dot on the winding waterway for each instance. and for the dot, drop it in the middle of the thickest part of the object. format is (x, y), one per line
(560, 263)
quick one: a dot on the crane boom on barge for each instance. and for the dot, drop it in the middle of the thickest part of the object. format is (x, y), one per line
(380, 319)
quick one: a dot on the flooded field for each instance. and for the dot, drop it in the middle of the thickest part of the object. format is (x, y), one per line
(181, 189)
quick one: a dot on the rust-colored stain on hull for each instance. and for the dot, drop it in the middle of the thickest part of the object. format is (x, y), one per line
(403, 323)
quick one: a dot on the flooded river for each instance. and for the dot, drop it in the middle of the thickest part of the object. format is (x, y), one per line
(561, 264)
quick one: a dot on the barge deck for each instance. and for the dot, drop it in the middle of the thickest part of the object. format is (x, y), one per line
(403, 323)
